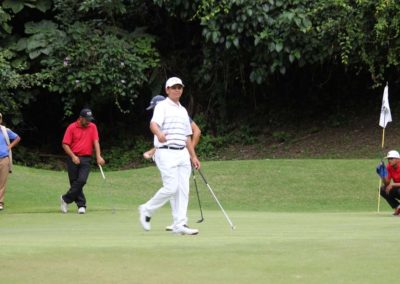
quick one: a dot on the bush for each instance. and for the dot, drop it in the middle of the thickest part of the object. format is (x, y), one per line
(128, 155)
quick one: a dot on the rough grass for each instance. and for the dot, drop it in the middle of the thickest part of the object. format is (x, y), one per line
(255, 185)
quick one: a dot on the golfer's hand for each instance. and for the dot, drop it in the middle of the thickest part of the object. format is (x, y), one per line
(75, 160)
(388, 189)
(195, 163)
(100, 161)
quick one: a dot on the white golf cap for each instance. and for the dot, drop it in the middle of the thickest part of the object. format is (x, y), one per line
(173, 81)
(393, 154)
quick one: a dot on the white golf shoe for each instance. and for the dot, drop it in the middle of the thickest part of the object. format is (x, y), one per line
(185, 230)
(81, 210)
(63, 205)
(144, 219)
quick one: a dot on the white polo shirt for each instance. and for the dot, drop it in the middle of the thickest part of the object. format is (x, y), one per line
(173, 121)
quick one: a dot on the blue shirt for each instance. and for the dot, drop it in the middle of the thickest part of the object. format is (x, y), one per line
(3, 143)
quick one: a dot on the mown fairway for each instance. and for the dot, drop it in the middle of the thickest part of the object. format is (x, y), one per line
(319, 225)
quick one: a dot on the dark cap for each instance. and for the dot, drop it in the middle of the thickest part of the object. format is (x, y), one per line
(154, 101)
(87, 114)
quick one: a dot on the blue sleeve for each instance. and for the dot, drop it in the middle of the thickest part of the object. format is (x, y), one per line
(12, 135)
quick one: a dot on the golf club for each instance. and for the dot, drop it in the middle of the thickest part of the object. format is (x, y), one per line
(104, 178)
(216, 199)
(198, 196)
(101, 171)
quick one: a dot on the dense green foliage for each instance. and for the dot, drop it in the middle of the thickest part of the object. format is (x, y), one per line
(85, 59)
(100, 64)
(277, 35)
(245, 63)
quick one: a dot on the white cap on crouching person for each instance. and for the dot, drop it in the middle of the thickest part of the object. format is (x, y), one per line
(393, 154)
(173, 81)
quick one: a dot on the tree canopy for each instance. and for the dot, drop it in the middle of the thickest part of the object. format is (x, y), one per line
(239, 58)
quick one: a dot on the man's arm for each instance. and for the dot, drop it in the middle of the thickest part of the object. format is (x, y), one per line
(196, 134)
(155, 129)
(69, 152)
(386, 181)
(14, 143)
(99, 158)
(192, 152)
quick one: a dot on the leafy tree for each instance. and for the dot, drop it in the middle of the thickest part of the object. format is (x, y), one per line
(42, 38)
(249, 45)
(96, 66)
(15, 83)
(87, 57)
(278, 35)
(239, 58)
(14, 87)
(17, 5)
(5, 27)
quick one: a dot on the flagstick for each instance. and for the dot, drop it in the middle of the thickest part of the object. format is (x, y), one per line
(380, 180)
(383, 120)
(379, 194)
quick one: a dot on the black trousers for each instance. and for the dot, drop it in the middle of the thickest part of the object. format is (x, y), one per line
(78, 175)
(393, 197)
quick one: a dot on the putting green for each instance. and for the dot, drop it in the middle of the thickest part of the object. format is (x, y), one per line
(101, 247)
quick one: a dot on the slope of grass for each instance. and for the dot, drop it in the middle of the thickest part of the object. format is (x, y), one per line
(257, 185)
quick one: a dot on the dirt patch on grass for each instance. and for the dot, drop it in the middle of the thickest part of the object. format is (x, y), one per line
(358, 139)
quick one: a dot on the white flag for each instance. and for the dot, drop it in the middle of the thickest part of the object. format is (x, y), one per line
(386, 116)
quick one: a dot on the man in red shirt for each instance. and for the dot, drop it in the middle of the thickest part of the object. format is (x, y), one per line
(390, 190)
(78, 142)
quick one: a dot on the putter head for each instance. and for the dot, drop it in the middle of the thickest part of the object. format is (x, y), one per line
(201, 220)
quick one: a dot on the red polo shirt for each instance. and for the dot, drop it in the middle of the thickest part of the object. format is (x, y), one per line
(80, 139)
(393, 173)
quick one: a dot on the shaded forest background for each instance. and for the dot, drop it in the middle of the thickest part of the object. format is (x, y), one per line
(264, 78)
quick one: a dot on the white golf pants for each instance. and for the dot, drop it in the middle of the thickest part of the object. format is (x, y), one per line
(175, 169)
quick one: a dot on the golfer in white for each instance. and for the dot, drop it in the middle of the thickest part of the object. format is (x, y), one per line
(171, 128)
